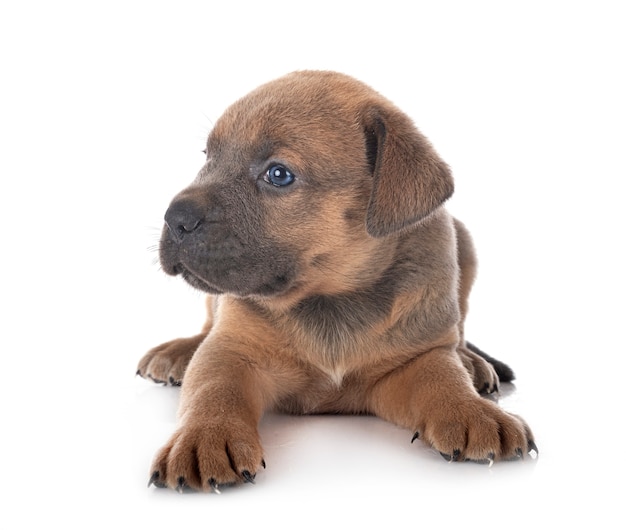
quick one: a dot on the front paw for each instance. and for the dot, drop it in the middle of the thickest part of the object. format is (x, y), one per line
(167, 362)
(478, 430)
(204, 457)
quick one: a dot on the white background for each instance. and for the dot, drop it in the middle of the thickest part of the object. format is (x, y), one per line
(104, 108)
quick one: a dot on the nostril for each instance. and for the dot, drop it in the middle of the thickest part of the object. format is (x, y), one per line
(189, 226)
(179, 231)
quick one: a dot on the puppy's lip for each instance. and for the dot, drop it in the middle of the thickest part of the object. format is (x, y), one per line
(195, 280)
(279, 286)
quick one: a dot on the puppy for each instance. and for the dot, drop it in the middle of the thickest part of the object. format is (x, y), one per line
(337, 283)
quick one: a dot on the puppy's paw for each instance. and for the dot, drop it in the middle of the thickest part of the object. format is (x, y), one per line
(167, 362)
(483, 374)
(480, 431)
(207, 456)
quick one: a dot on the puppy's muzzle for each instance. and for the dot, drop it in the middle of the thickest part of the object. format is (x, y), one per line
(218, 249)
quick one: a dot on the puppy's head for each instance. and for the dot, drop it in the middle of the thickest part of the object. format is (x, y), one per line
(305, 180)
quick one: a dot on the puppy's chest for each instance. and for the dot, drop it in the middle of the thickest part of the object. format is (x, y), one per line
(330, 333)
(337, 323)
(337, 339)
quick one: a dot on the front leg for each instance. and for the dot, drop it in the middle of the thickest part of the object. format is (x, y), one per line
(217, 443)
(433, 396)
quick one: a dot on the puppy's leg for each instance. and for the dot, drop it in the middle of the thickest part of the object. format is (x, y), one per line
(222, 400)
(505, 374)
(217, 442)
(466, 257)
(236, 374)
(167, 362)
(483, 373)
(433, 395)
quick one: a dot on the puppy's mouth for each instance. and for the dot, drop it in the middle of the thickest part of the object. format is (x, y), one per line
(194, 280)
(268, 285)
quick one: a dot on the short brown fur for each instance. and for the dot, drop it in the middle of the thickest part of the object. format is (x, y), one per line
(342, 291)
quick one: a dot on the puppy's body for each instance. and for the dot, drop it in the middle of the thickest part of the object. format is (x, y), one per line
(337, 283)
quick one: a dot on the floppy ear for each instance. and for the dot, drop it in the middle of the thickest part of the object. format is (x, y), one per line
(409, 179)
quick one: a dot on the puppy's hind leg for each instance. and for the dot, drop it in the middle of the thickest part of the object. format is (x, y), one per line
(504, 371)
(167, 362)
(485, 371)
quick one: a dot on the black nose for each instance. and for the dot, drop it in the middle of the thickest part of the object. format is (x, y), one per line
(183, 217)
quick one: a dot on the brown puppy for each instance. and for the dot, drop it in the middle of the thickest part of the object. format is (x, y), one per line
(337, 283)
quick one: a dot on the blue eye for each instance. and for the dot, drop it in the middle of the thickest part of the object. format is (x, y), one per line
(279, 176)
